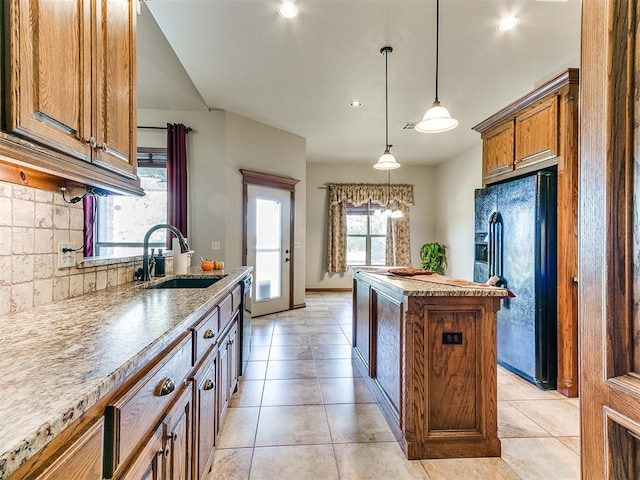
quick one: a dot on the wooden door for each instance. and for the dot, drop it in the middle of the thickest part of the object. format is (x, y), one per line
(114, 118)
(206, 418)
(609, 260)
(49, 74)
(178, 438)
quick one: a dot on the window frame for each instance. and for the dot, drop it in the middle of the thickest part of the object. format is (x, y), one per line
(368, 210)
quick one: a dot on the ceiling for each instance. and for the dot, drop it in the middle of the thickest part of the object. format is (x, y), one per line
(300, 75)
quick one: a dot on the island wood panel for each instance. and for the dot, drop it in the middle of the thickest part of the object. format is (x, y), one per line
(537, 133)
(389, 343)
(362, 324)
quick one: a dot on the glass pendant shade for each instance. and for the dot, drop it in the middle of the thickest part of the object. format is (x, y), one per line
(436, 120)
(386, 162)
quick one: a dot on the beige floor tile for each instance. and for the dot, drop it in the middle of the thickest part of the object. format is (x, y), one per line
(284, 369)
(292, 425)
(328, 339)
(261, 328)
(321, 318)
(304, 391)
(469, 469)
(540, 458)
(231, 464)
(345, 390)
(291, 352)
(513, 423)
(249, 394)
(572, 442)
(281, 329)
(323, 328)
(290, 339)
(558, 417)
(357, 423)
(289, 322)
(258, 340)
(376, 461)
(255, 370)
(331, 351)
(336, 367)
(305, 462)
(239, 428)
(259, 353)
(512, 387)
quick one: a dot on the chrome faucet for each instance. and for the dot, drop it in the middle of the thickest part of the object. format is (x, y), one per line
(184, 247)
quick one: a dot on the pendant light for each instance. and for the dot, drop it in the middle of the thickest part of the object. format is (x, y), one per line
(437, 119)
(386, 160)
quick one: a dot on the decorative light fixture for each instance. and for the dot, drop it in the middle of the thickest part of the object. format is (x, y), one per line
(437, 119)
(386, 160)
(508, 23)
(356, 103)
(288, 10)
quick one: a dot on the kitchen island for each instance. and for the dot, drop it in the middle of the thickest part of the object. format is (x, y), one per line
(426, 346)
(84, 371)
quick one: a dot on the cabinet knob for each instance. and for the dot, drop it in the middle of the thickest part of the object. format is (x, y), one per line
(172, 436)
(167, 452)
(208, 385)
(208, 334)
(104, 147)
(92, 142)
(166, 387)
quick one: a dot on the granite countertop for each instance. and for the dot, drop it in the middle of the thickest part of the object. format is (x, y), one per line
(57, 360)
(434, 285)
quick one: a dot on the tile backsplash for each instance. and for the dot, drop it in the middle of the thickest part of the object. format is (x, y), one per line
(32, 222)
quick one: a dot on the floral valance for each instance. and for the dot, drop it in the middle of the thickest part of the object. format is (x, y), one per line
(360, 193)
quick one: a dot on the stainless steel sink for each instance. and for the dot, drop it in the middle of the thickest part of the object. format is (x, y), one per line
(201, 282)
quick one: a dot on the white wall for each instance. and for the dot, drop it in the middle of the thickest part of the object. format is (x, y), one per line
(456, 180)
(422, 214)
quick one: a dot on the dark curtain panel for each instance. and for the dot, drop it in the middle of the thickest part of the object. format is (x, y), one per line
(176, 178)
(89, 206)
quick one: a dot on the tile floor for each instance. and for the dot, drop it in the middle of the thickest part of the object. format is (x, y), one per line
(303, 413)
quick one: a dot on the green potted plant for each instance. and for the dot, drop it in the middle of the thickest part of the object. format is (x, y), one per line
(434, 257)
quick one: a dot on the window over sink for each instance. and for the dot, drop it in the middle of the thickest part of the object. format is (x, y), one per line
(122, 221)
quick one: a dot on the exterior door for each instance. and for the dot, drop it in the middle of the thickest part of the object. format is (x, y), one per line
(609, 234)
(269, 247)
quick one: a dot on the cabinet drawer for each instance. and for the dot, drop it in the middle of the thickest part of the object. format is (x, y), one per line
(236, 294)
(205, 335)
(226, 311)
(136, 413)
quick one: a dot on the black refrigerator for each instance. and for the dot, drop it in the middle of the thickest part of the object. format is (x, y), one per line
(515, 242)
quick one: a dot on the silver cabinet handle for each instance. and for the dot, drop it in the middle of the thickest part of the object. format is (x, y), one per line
(208, 385)
(166, 387)
(104, 147)
(92, 142)
(209, 334)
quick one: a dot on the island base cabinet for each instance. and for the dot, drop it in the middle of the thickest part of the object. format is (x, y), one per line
(148, 464)
(205, 418)
(228, 369)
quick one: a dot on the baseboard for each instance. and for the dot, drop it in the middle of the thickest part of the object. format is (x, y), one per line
(299, 305)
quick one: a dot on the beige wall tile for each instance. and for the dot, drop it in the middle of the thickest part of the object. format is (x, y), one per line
(60, 288)
(23, 213)
(89, 282)
(5, 240)
(22, 241)
(5, 211)
(77, 237)
(44, 196)
(101, 279)
(5, 300)
(21, 296)
(5, 270)
(43, 266)
(6, 189)
(24, 193)
(76, 218)
(44, 215)
(43, 241)
(76, 285)
(42, 292)
(61, 217)
(21, 269)
(112, 276)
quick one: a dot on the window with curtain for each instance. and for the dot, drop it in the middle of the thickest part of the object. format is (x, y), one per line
(122, 221)
(342, 197)
(366, 236)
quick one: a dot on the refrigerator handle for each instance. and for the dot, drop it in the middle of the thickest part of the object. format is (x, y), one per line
(495, 247)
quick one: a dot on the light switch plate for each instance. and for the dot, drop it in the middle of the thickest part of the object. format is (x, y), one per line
(215, 245)
(66, 259)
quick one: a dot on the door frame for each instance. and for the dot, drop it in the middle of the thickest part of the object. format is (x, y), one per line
(251, 177)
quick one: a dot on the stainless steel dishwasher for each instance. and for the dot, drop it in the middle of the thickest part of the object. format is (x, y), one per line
(245, 323)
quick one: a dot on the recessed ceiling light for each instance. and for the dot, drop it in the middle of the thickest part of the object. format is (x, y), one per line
(356, 103)
(508, 23)
(288, 10)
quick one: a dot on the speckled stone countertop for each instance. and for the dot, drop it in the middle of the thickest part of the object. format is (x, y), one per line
(57, 360)
(428, 285)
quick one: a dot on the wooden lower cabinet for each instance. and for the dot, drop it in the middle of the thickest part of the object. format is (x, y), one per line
(228, 373)
(81, 461)
(205, 417)
(179, 437)
(148, 464)
(362, 324)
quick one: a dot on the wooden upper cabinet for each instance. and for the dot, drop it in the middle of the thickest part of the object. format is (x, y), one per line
(497, 150)
(537, 133)
(115, 107)
(69, 99)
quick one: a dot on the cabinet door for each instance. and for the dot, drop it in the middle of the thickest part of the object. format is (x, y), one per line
(178, 438)
(234, 357)
(223, 377)
(115, 76)
(497, 150)
(362, 329)
(81, 461)
(148, 464)
(206, 422)
(537, 133)
(49, 73)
